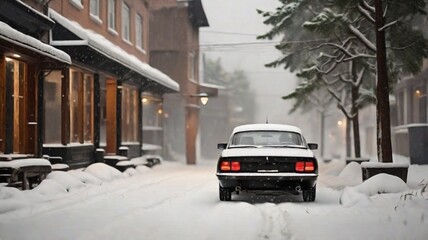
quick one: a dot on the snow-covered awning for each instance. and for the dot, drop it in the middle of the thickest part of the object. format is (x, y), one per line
(75, 36)
(15, 37)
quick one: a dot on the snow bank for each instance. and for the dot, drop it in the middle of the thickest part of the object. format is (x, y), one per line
(380, 183)
(50, 187)
(350, 175)
(86, 177)
(65, 179)
(130, 172)
(104, 172)
(143, 169)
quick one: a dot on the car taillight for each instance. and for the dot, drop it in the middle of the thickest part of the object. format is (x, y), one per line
(236, 166)
(230, 166)
(309, 167)
(225, 166)
(305, 167)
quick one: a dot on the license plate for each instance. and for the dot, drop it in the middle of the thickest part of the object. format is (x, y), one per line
(267, 171)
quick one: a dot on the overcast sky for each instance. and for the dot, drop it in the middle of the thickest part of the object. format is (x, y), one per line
(237, 21)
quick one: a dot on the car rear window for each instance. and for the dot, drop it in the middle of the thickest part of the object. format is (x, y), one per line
(267, 138)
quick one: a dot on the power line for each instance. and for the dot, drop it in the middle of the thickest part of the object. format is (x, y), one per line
(238, 44)
(230, 33)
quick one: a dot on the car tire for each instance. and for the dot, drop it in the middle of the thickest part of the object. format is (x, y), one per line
(225, 194)
(309, 194)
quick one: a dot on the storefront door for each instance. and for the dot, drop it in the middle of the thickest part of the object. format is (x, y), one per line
(19, 133)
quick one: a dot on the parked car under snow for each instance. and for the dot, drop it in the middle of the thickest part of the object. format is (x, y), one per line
(267, 158)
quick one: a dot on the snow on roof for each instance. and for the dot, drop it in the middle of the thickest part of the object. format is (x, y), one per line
(104, 46)
(266, 127)
(16, 37)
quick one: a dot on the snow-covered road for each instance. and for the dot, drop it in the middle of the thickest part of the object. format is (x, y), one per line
(175, 201)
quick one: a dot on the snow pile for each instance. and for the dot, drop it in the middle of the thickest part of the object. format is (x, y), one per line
(130, 172)
(62, 182)
(50, 187)
(104, 172)
(380, 183)
(86, 177)
(339, 177)
(143, 169)
(66, 180)
(351, 174)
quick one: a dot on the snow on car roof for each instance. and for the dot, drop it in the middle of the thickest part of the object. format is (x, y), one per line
(267, 127)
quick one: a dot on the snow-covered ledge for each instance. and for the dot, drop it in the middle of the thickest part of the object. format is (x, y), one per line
(384, 165)
(398, 169)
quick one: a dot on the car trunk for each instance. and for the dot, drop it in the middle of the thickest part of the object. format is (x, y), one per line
(268, 164)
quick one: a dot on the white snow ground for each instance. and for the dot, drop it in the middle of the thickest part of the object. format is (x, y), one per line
(175, 201)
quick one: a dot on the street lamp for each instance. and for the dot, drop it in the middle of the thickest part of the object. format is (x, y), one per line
(202, 96)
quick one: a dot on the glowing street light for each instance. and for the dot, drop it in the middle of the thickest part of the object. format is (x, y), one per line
(202, 96)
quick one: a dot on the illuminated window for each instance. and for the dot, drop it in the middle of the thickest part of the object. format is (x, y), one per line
(81, 107)
(130, 109)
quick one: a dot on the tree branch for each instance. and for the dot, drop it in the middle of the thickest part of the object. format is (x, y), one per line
(388, 25)
(366, 6)
(366, 14)
(362, 38)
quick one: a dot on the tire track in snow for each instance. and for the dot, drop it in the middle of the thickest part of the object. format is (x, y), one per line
(275, 226)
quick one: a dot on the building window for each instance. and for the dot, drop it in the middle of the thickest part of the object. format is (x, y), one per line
(139, 31)
(126, 24)
(419, 105)
(111, 14)
(103, 111)
(191, 66)
(152, 110)
(52, 107)
(81, 107)
(94, 9)
(130, 110)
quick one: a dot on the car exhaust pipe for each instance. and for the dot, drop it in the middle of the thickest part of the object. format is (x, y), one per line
(298, 188)
(237, 189)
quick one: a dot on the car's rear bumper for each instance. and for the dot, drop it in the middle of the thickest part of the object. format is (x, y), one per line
(273, 181)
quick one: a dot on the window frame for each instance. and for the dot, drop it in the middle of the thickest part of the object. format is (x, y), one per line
(78, 115)
(111, 16)
(126, 23)
(94, 11)
(139, 32)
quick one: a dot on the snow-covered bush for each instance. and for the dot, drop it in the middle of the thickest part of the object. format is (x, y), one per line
(50, 187)
(104, 172)
(65, 179)
(86, 177)
(380, 183)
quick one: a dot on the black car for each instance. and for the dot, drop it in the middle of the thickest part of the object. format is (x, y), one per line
(267, 158)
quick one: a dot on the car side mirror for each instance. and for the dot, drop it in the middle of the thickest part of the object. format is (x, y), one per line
(313, 146)
(221, 146)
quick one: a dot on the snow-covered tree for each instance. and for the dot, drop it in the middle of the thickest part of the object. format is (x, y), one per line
(345, 33)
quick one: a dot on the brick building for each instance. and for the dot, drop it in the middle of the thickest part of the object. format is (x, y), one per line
(84, 91)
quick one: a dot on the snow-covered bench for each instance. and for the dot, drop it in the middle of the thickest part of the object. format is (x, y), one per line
(24, 172)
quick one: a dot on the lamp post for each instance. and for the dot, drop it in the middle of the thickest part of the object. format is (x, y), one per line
(192, 125)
